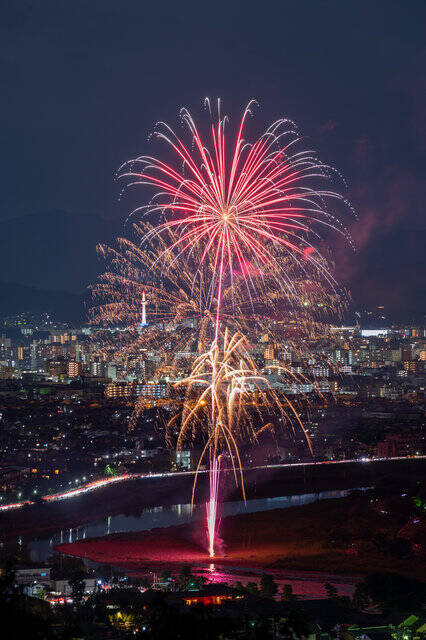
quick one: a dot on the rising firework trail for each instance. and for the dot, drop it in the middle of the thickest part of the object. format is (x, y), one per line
(230, 203)
(211, 506)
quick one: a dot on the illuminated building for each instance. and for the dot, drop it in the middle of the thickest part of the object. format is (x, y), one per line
(5, 344)
(120, 389)
(369, 333)
(410, 365)
(29, 575)
(269, 353)
(400, 445)
(112, 372)
(97, 368)
(343, 356)
(74, 369)
(184, 354)
(346, 368)
(56, 368)
(406, 355)
(396, 355)
(144, 322)
(153, 390)
(183, 459)
(321, 372)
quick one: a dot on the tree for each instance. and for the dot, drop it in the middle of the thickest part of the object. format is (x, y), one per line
(28, 619)
(239, 587)
(185, 577)
(393, 592)
(63, 565)
(185, 571)
(7, 580)
(287, 594)
(110, 471)
(331, 591)
(77, 585)
(401, 548)
(295, 627)
(381, 542)
(361, 599)
(252, 587)
(268, 586)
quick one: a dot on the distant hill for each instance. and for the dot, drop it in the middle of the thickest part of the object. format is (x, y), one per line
(45, 255)
(16, 298)
(405, 269)
(53, 250)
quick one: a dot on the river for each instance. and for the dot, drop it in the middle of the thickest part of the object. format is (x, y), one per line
(166, 516)
(305, 584)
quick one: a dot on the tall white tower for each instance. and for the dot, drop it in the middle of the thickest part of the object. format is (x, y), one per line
(144, 322)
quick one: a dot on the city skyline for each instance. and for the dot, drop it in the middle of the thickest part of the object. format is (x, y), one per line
(362, 111)
(213, 320)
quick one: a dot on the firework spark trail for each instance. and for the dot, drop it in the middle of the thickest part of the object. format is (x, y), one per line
(224, 379)
(234, 207)
(211, 505)
(225, 372)
(237, 215)
(173, 297)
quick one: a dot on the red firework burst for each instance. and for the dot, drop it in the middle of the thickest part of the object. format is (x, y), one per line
(238, 200)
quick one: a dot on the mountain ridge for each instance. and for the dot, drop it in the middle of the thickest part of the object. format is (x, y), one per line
(54, 250)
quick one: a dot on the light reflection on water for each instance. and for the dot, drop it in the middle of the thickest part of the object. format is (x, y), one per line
(167, 516)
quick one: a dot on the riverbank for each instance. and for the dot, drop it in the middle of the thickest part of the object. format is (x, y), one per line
(329, 536)
(132, 496)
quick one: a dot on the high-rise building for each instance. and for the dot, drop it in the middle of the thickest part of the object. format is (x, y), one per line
(55, 368)
(112, 371)
(97, 368)
(406, 355)
(343, 356)
(5, 343)
(144, 322)
(396, 355)
(269, 353)
(410, 365)
(74, 369)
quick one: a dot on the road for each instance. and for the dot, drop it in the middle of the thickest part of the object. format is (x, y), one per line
(98, 484)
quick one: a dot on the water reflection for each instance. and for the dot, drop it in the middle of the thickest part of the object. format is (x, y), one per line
(167, 516)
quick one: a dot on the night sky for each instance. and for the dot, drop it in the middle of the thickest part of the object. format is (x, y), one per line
(83, 83)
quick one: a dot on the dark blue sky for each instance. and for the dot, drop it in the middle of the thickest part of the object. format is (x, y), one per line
(83, 83)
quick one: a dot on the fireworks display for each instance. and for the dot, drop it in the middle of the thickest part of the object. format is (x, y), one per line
(236, 205)
(226, 397)
(230, 236)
